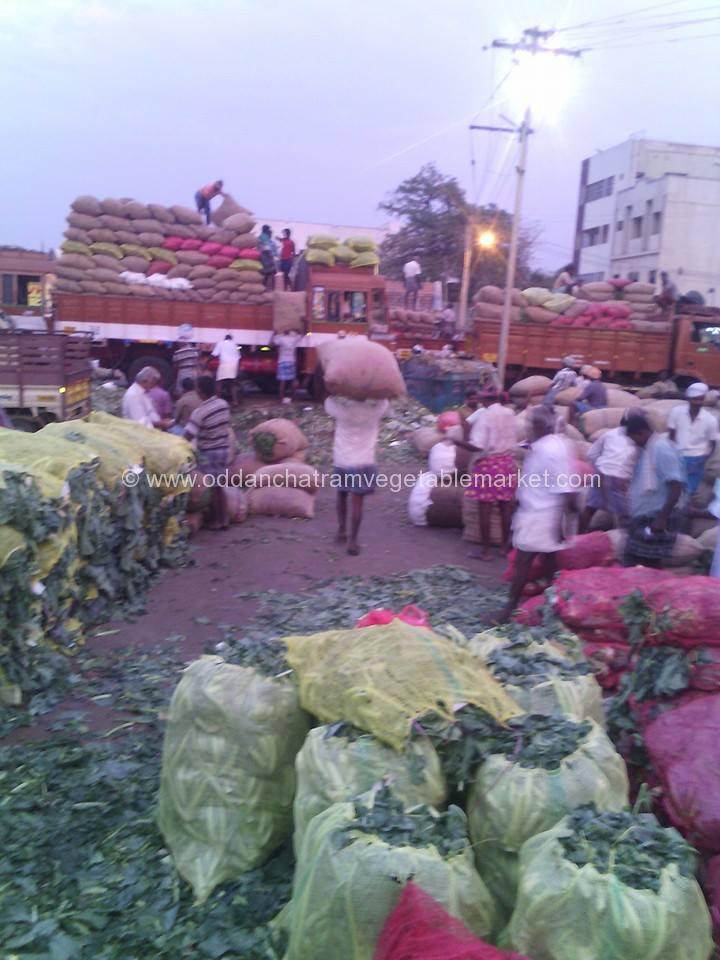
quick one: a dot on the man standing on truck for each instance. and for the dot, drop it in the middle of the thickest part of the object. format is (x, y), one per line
(229, 356)
(207, 193)
(287, 255)
(695, 431)
(268, 256)
(411, 276)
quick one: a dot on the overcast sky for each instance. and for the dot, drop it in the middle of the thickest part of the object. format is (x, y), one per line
(315, 109)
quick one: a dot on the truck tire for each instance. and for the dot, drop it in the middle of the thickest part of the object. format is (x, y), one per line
(163, 367)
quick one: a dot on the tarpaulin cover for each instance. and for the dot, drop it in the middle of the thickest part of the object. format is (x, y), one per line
(419, 928)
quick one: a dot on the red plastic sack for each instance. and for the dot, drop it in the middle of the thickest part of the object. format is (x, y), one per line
(420, 929)
(228, 251)
(692, 605)
(589, 599)
(705, 669)
(158, 266)
(192, 243)
(411, 614)
(210, 248)
(587, 550)
(611, 659)
(173, 243)
(249, 253)
(451, 418)
(218, 261)
(682, 744)
(530, 612)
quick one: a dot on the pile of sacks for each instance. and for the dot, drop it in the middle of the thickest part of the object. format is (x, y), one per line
(328, 251)
(412, 323)
(127, 248)
(508, 723)
(78, 545)
(612, 305)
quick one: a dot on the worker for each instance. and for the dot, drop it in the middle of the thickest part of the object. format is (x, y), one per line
(268, 256)
(287, 347)
(207, 193)
(695, 431)
(209, 429)
(655, 492)
(565, 281)
(594, 394)
(564, 379)
(448, 321)
(186, 361)
(287, 256)
(185, 405)
(613, 455)
(162, 401)
(545, 498)
(227, 352)
(472, 402)
(137, 404)
(411, 277)
(357, 424)
(669, 295)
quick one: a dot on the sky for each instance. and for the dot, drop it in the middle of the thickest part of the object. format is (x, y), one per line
(316, 109)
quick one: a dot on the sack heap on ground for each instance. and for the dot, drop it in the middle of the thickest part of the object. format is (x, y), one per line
(127, 248)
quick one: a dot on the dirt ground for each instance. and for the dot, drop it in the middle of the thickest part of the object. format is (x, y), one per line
(290, 556)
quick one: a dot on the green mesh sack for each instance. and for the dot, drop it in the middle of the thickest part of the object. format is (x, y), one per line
(368, 259)
(227, 779)
(361, 244)
(547, 768)
(160, 253)
(611, 886)
(339, 762)
(74, 246)
(320, 255)
(322, 241)
(540, 677)
(382, 678)
(108, 249)
(245, 263)
(135, 250)
(343, 253)
(353, 864)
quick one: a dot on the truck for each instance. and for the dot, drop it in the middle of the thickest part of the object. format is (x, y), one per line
(688, 350)
(43, 376)
(129, 333)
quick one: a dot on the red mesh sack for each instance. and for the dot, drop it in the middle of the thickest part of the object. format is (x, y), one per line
(210, 248)
(411, 614)
(191, 244)
(530, 613)
(249, 253)
(228, 251)
(420, 929)
(219, 261)
(173, 243)
(692, 605)
(589, 599)
(705, 669)
(682, 745)
(711, 886)
(587, 550)
(158, 266)
(450, 418)
(611, 659)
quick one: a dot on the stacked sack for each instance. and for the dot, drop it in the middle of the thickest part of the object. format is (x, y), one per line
(77, 545)
(412, 323)
(326, 250)
(126, 248)
(488, 304)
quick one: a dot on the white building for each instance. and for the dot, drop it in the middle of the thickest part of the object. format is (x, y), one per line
(623, 226)
(301, 230)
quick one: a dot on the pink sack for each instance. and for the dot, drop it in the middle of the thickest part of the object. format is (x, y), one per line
(451, 418)
(690, 609)
(210, 248)
(411, 614)
(249, 253)
(589, 599)
(218, 261)
(228, 251)
(191, 244)
(618, 310)
(173, 243)
(530, 613)
(159, 266)
(619, 282)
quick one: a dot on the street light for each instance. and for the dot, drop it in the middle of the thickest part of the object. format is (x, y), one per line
(487, 240)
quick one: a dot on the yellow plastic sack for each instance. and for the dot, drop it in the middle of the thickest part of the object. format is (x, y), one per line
(163, 453)
(49, 459)
(115, 452)
(381, 678)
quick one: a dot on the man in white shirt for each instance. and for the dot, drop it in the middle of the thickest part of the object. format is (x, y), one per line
(357, 424)
(613, 455)
(545, 496)
(695, 431)
(229, 356)
(411, 275)
(286, 344)
(138, 406)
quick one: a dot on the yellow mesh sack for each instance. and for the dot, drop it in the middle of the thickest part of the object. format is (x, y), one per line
(48, 458)
(163, 453)
(115, 452)
(381, 678)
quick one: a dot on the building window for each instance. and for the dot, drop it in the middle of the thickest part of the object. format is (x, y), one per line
(657, 221)
(8, 292)
(599, 189)
(652, 276)
(605, 232)
(619, 226)
(633, 275)
(591, 277)
(637, 225)
(596, 235)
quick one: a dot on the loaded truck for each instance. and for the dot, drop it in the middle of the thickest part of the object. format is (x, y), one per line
(688, 350)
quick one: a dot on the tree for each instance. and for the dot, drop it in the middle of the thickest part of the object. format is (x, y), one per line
(433, 211)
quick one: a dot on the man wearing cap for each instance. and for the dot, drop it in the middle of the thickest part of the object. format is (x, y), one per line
(695, 431)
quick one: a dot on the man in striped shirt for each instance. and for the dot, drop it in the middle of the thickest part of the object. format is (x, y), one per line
(209, 428)
(186, 360)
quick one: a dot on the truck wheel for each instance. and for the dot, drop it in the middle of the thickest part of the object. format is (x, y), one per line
(26, 423)
(162, 366)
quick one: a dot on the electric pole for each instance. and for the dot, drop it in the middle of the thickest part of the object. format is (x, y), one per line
(530, 42)
(465, 282)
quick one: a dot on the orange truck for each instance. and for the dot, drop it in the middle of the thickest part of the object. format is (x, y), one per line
(689, 350)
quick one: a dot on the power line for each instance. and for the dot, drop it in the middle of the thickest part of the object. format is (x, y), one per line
(615, 19)
(652, 43)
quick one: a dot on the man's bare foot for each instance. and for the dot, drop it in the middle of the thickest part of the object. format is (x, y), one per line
(353, 549)
(478, 553)
(340, 537)
(501, 616)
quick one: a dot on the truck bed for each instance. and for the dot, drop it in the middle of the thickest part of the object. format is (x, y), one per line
(540, 347)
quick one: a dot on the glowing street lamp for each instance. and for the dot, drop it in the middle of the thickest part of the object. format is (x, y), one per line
(487, 240)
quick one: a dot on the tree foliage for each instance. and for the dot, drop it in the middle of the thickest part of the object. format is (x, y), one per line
(433, 211)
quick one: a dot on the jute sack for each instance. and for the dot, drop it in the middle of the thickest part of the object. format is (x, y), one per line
(243, 241)
(239, 223)
(135, 210)
(185, 215)
(289, 473)
(685, 551)
(361, 370)
(71, 273)
(252, 289)
(236, 503)
(708, 540)
(78, 235)
(149, 226)
(201, 272)
(289, 438)
(282, 502)
(288, 310)
(183, 230)
(606, 418)
(112, 222)
(66, 285)
(134, 264)
(658, 411)
(147, 239)
(493, 311)
(88, 205)
(103, 275)
(192, 257)
(566, 397)
(204, 283)
(77, 260)
(648, 289)
(445, 508)
(539, 314)
(490, 294)
(246, 276)
(102, 235)
(228, 208)
(125, 236)
(112, 207)
(243, 466)
(91, 286)
(597, 287)
(116, 289)
(576, 309)
(621, 398)
(222, 236)
(534, 386)
(161, 213)
(83, 221)
(229, 286)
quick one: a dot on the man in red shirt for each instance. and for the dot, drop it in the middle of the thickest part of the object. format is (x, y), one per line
(205, 195)
(287, 255)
